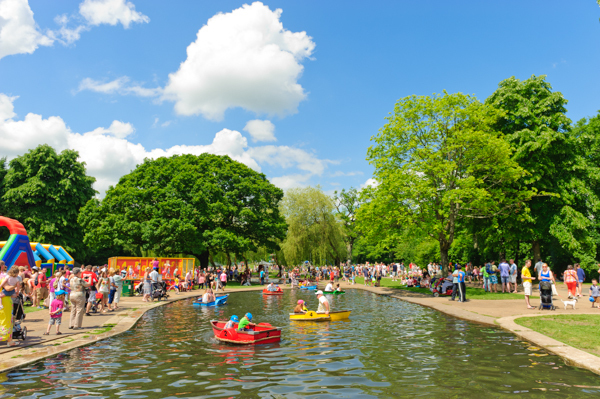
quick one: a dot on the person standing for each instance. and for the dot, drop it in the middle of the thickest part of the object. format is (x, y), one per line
(262, 276)
(580, 277)
(455, 285)
(570, 278)
(487, 269)
(40, 288)
(78, 286)
(513, 276)
(504, 276)
(462, 288)
(526, 278)
(147, 285)
(57, 307)
(91, 280)
(538, 266)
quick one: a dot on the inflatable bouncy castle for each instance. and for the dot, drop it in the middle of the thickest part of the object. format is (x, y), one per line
(17, 250)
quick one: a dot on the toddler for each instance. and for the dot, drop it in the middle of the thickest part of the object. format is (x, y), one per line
(595, 292)
(10, 285)
(56, 310)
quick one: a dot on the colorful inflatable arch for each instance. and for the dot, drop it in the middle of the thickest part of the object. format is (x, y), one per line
(17, 250)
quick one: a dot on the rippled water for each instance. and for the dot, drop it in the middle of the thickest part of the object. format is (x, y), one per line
(388, 348)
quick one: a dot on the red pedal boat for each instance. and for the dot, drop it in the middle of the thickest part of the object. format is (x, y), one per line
(263, 333)
(267, 292)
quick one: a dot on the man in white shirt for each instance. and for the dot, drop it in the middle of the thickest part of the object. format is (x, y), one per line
(154, 277)
(323, 303)
(329, 287)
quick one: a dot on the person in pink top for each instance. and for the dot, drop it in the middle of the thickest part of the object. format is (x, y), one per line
(223, 278)
(56, 310)
(570, 278)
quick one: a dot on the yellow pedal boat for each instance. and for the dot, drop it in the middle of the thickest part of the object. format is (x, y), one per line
(314, 316)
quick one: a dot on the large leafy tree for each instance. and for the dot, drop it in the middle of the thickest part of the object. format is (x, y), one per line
(44, 191)
(346, 204)
(314, 232)
(188, 204)
(438, 161)
(535, 124)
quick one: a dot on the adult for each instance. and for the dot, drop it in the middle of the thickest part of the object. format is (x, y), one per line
(116, 287)
(494, 277)
(323, 303)
(155, 263)
(223, 279)
(454, 284)
(104, 289)
(513, 275)
(547, 275)
(486, 270)
(6, 316)
(580, 277)
(40, 290)
(78, 287)
(538, 266)
(462, 289)
(526, 278)
(262, 276)
(154, 279)
(147, 285)
(208, 296)
(570, 279)
(504, 276)
(329, 287)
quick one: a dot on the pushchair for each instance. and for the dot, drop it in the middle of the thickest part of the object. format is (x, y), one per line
(19, 331)
(546, 296)
(159, 291)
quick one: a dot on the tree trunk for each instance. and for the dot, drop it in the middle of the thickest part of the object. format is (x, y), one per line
(212, 261)
(204, 256)
(349, 247)
(537, 255)
(279, 274)
(444, 247)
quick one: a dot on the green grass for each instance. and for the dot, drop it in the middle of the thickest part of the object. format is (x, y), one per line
(105, 328)
(30, 309)
(578, 330)
(472, 292)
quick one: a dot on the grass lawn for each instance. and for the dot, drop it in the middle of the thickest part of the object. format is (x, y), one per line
(29, 309)
(578, 330)
(472, 293)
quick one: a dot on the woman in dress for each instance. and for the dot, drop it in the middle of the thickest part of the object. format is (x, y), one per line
(147, 285)
(6, 317)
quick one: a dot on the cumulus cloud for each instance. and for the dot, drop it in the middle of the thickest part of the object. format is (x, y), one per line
(120, 86)
(261, 130)
(109, 154)
(339, 173)
(370, 183)
(245, 59)
(112, 12)
(19, 33)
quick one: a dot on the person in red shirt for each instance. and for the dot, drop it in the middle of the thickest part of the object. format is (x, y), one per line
(40, 287)
(91, 279)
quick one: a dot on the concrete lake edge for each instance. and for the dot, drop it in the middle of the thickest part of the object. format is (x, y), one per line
(124, 321)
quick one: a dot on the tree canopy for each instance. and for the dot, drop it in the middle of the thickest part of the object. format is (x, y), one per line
(438, 161)
(188, 204)
(45, 191)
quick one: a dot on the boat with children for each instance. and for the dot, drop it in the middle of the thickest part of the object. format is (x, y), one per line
(261, 333)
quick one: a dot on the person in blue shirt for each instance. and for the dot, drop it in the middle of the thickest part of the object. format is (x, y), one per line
(462, 289)
(262, 277)
(580, 278)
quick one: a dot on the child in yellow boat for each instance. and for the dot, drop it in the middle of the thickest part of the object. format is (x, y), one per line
(300, 308)
(245, 322)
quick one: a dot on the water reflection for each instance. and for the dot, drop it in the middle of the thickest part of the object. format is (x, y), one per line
(388, 348)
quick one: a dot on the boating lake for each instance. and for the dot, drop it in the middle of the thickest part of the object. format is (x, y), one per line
(388, 348)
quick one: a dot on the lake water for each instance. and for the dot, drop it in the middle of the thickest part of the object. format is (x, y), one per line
(388, 348)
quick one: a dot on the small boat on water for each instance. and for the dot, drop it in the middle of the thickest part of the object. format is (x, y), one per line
(314, 316)
(334, 292)
(263, 333)
(267, 292)
(220, 300)
(309, 287)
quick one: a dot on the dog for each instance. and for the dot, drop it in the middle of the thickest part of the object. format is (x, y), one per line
(571, 302)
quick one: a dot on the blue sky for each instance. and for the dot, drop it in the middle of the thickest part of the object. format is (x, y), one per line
(325, 80)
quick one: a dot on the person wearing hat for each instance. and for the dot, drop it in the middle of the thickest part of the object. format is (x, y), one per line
(245, 323)
(230, 324)
(56, 309)
(300, 308)
(323, 303)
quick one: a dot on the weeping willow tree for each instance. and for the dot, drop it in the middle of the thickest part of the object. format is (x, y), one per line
(314, 233)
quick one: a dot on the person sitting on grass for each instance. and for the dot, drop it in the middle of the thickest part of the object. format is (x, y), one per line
(56, 309)
(595, 293)
(245, 322)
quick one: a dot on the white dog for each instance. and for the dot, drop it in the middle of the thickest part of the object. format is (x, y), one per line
(571, 302)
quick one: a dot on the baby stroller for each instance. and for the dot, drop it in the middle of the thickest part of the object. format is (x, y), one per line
(546, 296)
(159, 292)
(19, 331)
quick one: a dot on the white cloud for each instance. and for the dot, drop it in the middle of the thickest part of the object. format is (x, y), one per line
(370, 183)
(119, 86)
(109, 155)
(112, 12)
(340, 173)
(245, 59)
(261, 130)
(19, 33)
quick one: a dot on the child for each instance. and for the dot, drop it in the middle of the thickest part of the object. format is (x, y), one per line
(300, 308)
(10, 285)
(176, 285)
(595, 293)
(56, 309)
(230, 323)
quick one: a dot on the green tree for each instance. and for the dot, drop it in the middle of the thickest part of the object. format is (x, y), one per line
(188, 204)
(438, 161)
(346, 204)
(535, 124)
(314, 232)
(44, 191)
